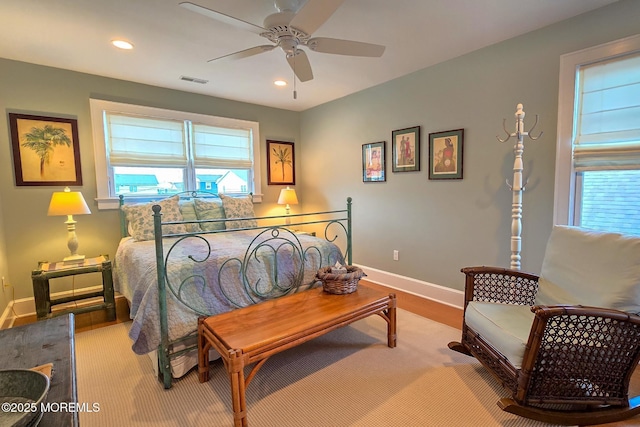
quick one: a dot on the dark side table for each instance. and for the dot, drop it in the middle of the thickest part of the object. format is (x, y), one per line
(46, 271)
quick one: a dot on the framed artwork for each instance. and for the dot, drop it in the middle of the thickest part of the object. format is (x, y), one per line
(280, 163)
(445, 154)
(373, 162)
(46, 150)
(405, 144)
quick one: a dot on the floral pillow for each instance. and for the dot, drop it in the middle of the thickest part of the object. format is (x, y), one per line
(210, 209)
(140, 217)
(239, 207)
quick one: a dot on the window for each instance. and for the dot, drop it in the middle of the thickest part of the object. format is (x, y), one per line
(142, 152)
(598, 152)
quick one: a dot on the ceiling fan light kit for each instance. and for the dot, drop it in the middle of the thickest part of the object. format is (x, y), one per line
(290, 29)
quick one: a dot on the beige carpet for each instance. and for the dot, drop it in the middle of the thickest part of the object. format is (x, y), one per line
(348, 377)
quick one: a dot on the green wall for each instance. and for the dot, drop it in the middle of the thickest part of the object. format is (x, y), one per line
(5, 294)
(29, 234)
(440, 226)
(437, 226)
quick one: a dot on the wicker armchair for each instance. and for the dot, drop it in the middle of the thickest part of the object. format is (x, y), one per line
(564, 362)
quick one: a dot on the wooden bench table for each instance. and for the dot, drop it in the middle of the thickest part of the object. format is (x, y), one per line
(253, 334)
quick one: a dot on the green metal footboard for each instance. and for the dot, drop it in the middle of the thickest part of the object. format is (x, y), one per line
(271, 241)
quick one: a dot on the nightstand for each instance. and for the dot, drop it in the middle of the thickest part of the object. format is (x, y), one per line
(52, 270)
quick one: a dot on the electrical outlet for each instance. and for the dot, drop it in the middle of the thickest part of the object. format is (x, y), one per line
(395, 255)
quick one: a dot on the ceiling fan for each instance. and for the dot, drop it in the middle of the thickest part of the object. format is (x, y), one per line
(290, 29)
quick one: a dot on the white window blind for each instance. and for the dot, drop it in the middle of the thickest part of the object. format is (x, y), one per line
(147, 143)
(143, 141)
(608, 115)
(222, 147)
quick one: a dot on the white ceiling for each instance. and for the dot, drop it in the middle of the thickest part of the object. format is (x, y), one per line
(171, 41)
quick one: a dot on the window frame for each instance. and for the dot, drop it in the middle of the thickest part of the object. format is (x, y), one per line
(103, 177)
(566, 177)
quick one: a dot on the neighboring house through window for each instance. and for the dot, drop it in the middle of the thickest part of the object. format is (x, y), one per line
(142, 152)
(597, 182)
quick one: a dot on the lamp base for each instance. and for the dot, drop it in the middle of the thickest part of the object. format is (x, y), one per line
(73, 259)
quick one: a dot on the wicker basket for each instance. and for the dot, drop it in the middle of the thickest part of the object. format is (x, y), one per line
(340, 284)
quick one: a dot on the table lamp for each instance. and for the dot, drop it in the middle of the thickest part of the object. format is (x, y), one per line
(288, 197)
(69, 203)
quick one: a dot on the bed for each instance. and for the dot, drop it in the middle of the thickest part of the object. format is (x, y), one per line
(198, 254)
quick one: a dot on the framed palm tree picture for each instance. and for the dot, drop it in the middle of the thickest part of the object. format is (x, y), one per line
(45, 150)
(280, 163)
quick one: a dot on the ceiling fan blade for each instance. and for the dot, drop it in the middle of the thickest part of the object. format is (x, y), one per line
(345, 47)
(300, 65)
(313, 14)
(221, 17)
(246, 53)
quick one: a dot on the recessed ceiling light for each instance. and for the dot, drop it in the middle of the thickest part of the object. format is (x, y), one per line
(280, 83)
(122, 44)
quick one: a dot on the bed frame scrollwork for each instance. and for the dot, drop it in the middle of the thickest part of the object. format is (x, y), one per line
(268, 247)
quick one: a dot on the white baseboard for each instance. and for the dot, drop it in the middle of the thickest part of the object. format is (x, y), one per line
(441, 294)
(27, 306)
(7, 318)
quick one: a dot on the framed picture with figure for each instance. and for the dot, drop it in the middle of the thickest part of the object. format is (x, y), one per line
(445, 154)
(373, 162)
(405, 144)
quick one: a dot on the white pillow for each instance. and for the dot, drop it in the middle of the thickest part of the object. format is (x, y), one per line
(140, 217)
(238, 207)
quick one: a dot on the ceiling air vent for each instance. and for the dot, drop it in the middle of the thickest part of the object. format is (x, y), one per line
(194, 80)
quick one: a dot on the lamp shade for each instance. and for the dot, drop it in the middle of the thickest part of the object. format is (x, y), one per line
(67, 202)
(288, 197)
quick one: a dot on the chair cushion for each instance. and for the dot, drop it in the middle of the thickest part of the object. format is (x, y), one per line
(505, 326)
(591, 268)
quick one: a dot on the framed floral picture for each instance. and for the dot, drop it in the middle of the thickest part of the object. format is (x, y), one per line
(445, 154)
(280, 163)
(46, 150)
(373, 162)
(405, 144)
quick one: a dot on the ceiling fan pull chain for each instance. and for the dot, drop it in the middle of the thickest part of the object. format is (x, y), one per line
(295, 94)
